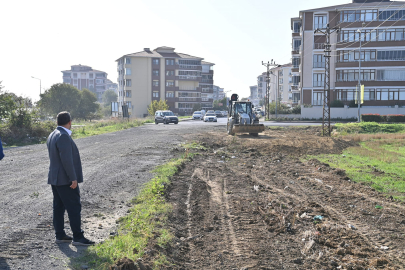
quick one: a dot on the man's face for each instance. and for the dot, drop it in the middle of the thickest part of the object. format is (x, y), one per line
(69, 125)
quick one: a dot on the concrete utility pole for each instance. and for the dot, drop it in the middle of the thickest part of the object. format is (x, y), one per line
(40, 85)
(268, 65)
(359, 89)
(326, 92)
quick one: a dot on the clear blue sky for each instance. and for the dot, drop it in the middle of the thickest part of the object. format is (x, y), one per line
(42, 38)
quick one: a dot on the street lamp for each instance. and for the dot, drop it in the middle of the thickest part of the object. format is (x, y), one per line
(39, 84)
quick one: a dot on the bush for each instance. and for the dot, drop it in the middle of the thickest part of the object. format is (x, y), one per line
(372, 117)
(369, 127)
(296, 110)
(395, 118)
(337, 104)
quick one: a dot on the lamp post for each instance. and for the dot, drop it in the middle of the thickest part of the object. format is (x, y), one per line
(359, 89)
(40, 87)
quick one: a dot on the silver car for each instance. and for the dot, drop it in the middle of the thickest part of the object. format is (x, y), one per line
(210, 117)
(197, 115)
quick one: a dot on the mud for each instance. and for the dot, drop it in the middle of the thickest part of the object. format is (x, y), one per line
(254, 203)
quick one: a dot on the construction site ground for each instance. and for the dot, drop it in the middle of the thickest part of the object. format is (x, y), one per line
(259, 203)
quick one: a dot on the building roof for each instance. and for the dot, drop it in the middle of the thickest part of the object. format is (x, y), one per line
(364, 4)
(207, 63)
(156, 54)
(79, 71)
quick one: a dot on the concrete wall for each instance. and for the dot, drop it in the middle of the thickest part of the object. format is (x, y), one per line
(316, 112)
(291, 116)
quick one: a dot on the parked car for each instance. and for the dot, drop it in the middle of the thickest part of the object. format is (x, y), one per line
(198, 115)
(165, 117)
(210, 111)
(210, 117)
(218, 114)
(224, 113)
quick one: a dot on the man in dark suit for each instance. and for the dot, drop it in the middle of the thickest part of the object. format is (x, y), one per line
(65, 172)
(1, 151)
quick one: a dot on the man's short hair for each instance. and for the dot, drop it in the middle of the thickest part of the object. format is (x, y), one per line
(63, 118)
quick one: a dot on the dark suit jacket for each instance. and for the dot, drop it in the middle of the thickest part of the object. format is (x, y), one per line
(1, 151)
(65, 165)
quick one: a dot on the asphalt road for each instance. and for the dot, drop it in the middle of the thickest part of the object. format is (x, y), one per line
(115, 166)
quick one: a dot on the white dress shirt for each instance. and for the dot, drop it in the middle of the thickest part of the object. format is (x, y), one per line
(67, 130)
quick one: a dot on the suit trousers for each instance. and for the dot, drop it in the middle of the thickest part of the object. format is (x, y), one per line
(66, 198)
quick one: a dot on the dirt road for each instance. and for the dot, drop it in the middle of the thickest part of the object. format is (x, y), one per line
(252, 203)
(115, 166)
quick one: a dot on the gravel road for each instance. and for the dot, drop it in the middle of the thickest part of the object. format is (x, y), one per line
(115, 166)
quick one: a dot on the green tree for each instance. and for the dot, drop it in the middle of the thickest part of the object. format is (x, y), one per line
(197, 107)
(109, 96)
(88, 106)
(7, 103)
(160, 105)
(60, 97)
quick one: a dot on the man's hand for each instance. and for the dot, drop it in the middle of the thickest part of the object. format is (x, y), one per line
(74, 184)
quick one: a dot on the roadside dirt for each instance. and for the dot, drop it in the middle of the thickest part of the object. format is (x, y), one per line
(251, 203)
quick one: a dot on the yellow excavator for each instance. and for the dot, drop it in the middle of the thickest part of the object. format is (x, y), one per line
(241, 118)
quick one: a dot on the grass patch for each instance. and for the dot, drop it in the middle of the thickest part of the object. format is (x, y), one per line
(145, 223)
(106, 126)
(184, 117)
(368, 128)
(378, 162)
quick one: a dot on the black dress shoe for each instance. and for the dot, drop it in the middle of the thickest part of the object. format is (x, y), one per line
(64, 239)
(83, 242)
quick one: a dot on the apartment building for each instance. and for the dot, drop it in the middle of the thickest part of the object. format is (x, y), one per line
(111, 86)
(253, 92)
(281, 85)
(81, 76)
(218, 93)
(261, 85)
(180, 79)
(380, 25)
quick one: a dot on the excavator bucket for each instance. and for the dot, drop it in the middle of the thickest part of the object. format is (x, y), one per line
(248, 128)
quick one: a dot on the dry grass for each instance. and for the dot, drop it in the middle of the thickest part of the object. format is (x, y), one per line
(378, 136)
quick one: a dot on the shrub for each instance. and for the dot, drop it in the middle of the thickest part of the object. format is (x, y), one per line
(337, 104)
(372, 117)
(296, 110)
(395, 118)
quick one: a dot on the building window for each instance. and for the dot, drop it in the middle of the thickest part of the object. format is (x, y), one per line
(155, 83)
(99, 81)
(75, 75)
(128, 71)
(317, 98)
(155, 94)
(169, 94)
(350, 56)
(169, 62)
(296, 26)
(319, 61)
(319, 79)
(295, 80)
(390, 55)
(155, 72)
(127, 60)
(296, 44)
(91, 75)
(83, 76)
(320, 22)
(155, 61)
(358, 15)
(169, 72)
(128, 93)
(296, 62)
(280, 81)
(350, 75)
(128, 82)
(392, 15)
(170, 83)
(391, 75)
(75, 81)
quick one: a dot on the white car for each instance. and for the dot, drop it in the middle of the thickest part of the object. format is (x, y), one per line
(210, 117)
(198, 115)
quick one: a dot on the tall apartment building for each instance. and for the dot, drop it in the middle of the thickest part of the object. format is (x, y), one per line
(81, 76)
(381, 27)
(253, 92)
(218, 93)
(281, 84)
(261, 85)
(163, 74)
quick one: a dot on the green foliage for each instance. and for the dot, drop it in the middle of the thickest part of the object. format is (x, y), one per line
(88, 106)
(352, 104)
(108, 97)
(372, 117)
(369, 127)
(262, 102)
(60, 97)
(160, 105)
(197, 107)
(223, 107)
(380, 163)
(308, 106)
(337, 104)
(281, 108)
(395, 118)
(296, 110)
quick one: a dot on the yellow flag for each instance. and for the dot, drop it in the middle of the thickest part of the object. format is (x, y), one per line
(362, 93)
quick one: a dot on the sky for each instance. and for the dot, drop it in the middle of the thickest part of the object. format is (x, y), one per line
(41, 38)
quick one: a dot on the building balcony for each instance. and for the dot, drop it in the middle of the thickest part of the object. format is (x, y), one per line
(155, 88)
(190, 67)
(318, 84)
(317, 102)
(172, 67)
(319, 46)
(189, 99)
(188, 78)
(172, 88)
(319, 65)
(170, 77)
(207, 81)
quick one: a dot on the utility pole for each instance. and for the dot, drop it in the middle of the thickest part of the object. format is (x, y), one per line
(326, 91)
(268, 65)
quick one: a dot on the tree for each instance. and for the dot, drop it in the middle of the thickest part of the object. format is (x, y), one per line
(88, 107)
(197, 107)
(217, 106)
(109, 96)
(7, 104)
(60, 97)
(160, 105)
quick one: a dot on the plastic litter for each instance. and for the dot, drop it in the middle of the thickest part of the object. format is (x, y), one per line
(384, 247)
(256, 188)
(318, 217)
(352, 227)
(319, 180)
